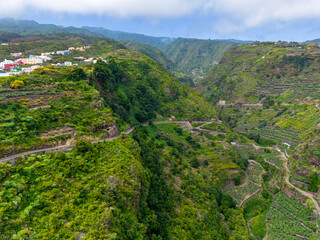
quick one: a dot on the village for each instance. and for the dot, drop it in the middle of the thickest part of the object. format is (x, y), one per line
(27, 65)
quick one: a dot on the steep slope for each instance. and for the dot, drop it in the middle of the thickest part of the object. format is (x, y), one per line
(152, 52)
(280, 71)
(195, 56)
(138, 89)
(7, 36)
(162, 181)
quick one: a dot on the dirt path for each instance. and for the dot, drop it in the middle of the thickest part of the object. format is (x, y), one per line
(287, 179)
(248, 226)
(256, 192)
(249, 197)
(207, 123)
(285, 156)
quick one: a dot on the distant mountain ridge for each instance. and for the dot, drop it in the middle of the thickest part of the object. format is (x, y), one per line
(182, 55)
(196, 56)
(159, 42)
(30, 27)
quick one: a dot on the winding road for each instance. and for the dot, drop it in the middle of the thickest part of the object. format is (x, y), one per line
(58, 149)
(65, 147)
(287, 179)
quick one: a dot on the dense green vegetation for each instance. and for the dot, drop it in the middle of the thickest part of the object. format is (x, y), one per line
(7, 36)
(50, 109)
(217, 175)
(90, 192)
(137, 89)
(122, 190)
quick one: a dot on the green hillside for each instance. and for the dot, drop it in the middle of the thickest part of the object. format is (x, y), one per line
(194, 56)
(116, 147)
(138, 89)
(285, 73)
(184, 56)
(135, 87)
(29, 27)
(38, 44)
(163, 181)
(7, 36)
(151, 52)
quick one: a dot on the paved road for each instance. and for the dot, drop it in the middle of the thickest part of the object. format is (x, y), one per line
(66, 147)
(59, 148)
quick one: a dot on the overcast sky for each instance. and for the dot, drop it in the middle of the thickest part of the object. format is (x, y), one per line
(296, 20)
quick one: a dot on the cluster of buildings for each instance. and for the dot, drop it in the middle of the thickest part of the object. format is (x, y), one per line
(16, 64)
(35, 61)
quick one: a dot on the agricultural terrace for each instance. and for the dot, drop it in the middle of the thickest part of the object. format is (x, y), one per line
(288, 219)
(252, 183)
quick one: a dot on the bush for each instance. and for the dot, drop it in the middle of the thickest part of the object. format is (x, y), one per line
(195, 163)
(17, 84)
(237, 180)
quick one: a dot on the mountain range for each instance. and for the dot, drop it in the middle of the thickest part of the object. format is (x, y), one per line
(190, 56)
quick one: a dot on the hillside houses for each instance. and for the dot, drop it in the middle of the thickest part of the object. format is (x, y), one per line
(16, 55)
(35, 61)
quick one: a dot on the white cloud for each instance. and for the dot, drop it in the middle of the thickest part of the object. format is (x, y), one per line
(159, 9)
(237, 16)
(228, 15)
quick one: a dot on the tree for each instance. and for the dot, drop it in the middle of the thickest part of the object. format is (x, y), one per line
(314, 182)
(103, 77)
(76, 74)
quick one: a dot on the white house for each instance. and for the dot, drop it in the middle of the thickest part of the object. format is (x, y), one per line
(5, 62)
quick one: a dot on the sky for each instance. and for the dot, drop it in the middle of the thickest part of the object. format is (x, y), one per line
(262, 20)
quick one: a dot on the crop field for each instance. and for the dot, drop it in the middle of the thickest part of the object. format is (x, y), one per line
(281, 136)
(288, 219)
(215, 126)
(251, 185)
(272, 157)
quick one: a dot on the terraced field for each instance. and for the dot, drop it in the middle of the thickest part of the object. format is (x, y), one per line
(288, 219)
(283, 138)
(273, 158)
(251, 185)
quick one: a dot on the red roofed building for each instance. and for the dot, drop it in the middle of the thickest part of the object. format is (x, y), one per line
(10, 66)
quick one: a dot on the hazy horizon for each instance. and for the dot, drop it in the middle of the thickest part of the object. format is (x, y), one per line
(204, 19)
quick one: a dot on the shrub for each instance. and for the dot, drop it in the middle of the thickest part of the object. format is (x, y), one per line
(17, 84)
